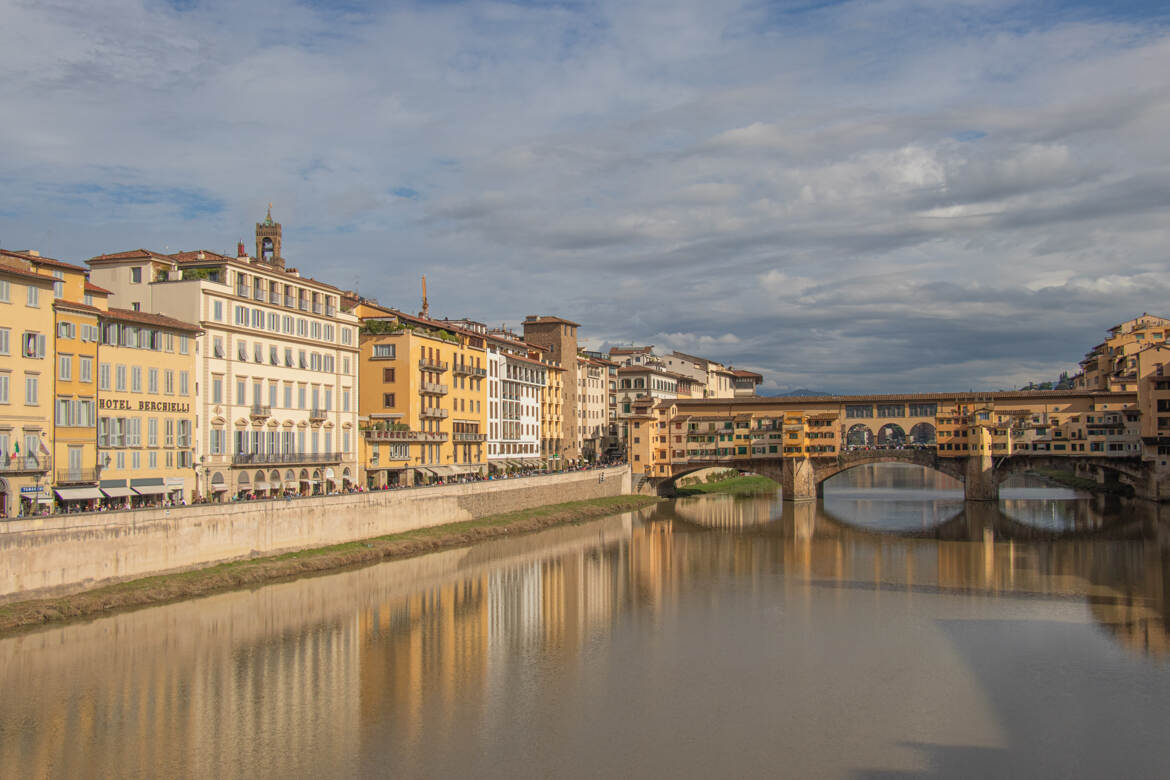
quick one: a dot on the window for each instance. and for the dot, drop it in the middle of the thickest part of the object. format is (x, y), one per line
(287, 395)
(136, 379)
(274, 355)
(241, 392)
(65, 367)
(242, 350)
(152, 380)
(217, 389)
(85, 366)
(34, 297)
(217, 311)
(169, 433)
(5, 292)
(345, 399)
(384, 350)
(135, 275)
(258, 352)
(184, 383)
(301, 396)
(152, 432)
(288, 357)
(31, 386)
(169, 382)
(66, 330)
(387, 400)
(4, 395)
(120, 378)
(4, 334)
(32, 344)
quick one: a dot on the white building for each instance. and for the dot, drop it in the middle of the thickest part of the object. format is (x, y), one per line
(515, 382)
(277, 368)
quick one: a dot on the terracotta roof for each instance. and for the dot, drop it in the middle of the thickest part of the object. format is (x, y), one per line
(39, 260)
(16, 269)
(90, 287)
(198, 255)
(130, 254)
(62, 303)
(546, 319)
(146, 318)
(965, 397)
(747, 374)
(630, 350)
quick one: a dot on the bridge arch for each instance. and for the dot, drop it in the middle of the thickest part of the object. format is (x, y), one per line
(923, 434)
(859, 435)
(891, 435)
(928, 459)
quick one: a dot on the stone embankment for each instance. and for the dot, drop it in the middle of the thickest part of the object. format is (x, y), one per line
(58, 554)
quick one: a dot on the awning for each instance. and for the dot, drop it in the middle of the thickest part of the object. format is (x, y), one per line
(117, 492)
(78, 494)
(219, 487)
(430, 471)
(176, 483)
(329, 473)
(260, 484)
(441, 471)
(150, 490)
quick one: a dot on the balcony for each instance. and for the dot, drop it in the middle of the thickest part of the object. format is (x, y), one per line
(318, 308)
(290, 302)
(243, 290)
(274, 297)
(75, 476)
(432, 388)
(318, 415)
(428, 437)
(433, 365)
(259, 411)
(434, 412)
(23, 464)
(284, 458)
(466, 369)
(330, 311)
(469, 436)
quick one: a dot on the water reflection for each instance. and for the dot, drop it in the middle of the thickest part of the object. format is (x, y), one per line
(674, 642)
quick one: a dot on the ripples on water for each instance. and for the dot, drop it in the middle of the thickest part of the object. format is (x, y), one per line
(888, 630)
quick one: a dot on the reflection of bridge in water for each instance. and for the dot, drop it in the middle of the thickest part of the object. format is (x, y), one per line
(1120, 569)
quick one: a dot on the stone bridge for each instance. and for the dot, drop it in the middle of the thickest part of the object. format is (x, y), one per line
(803, 478)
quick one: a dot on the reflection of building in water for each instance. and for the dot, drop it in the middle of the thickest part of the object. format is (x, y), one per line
(128, 696)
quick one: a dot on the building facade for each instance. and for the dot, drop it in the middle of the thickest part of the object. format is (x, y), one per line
(423, 398)
(277, 365)
(559, 337)
(146, 408)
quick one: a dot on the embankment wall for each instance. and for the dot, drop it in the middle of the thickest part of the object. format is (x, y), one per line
(58, 554)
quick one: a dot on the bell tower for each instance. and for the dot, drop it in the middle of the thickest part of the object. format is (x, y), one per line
(268, 241)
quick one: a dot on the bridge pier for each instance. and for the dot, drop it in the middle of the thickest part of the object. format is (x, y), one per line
(799, 482)
(980, 482)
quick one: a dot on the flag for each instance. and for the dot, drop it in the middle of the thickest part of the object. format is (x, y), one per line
(44, 449)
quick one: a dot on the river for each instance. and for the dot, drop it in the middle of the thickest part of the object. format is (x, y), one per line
(886, 631)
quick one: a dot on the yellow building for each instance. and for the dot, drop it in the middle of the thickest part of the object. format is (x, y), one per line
(552, 424)
(26, 387)
(422, 398)
(146, 408)
(1112, 365)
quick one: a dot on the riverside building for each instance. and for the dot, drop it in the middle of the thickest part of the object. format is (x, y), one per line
(26, 386)
(146, 408)
(516, 381)
(559, 337)
(276, 372)
(423, 398)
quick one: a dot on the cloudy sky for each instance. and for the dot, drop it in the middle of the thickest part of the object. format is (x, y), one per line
(846, 196)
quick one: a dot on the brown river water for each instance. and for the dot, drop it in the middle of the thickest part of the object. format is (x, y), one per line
(886, 631)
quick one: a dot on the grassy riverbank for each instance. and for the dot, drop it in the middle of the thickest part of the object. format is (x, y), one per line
(165, 588)
(736, 486)
(1070, 480)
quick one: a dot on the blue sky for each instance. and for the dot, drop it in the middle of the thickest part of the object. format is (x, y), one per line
(847, 196)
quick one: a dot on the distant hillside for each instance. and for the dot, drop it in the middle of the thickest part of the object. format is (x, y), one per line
(1065, 382)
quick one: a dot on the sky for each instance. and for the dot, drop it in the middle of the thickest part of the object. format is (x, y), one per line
(880, 196)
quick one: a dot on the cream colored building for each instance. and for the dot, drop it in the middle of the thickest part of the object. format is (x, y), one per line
(276, 373)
